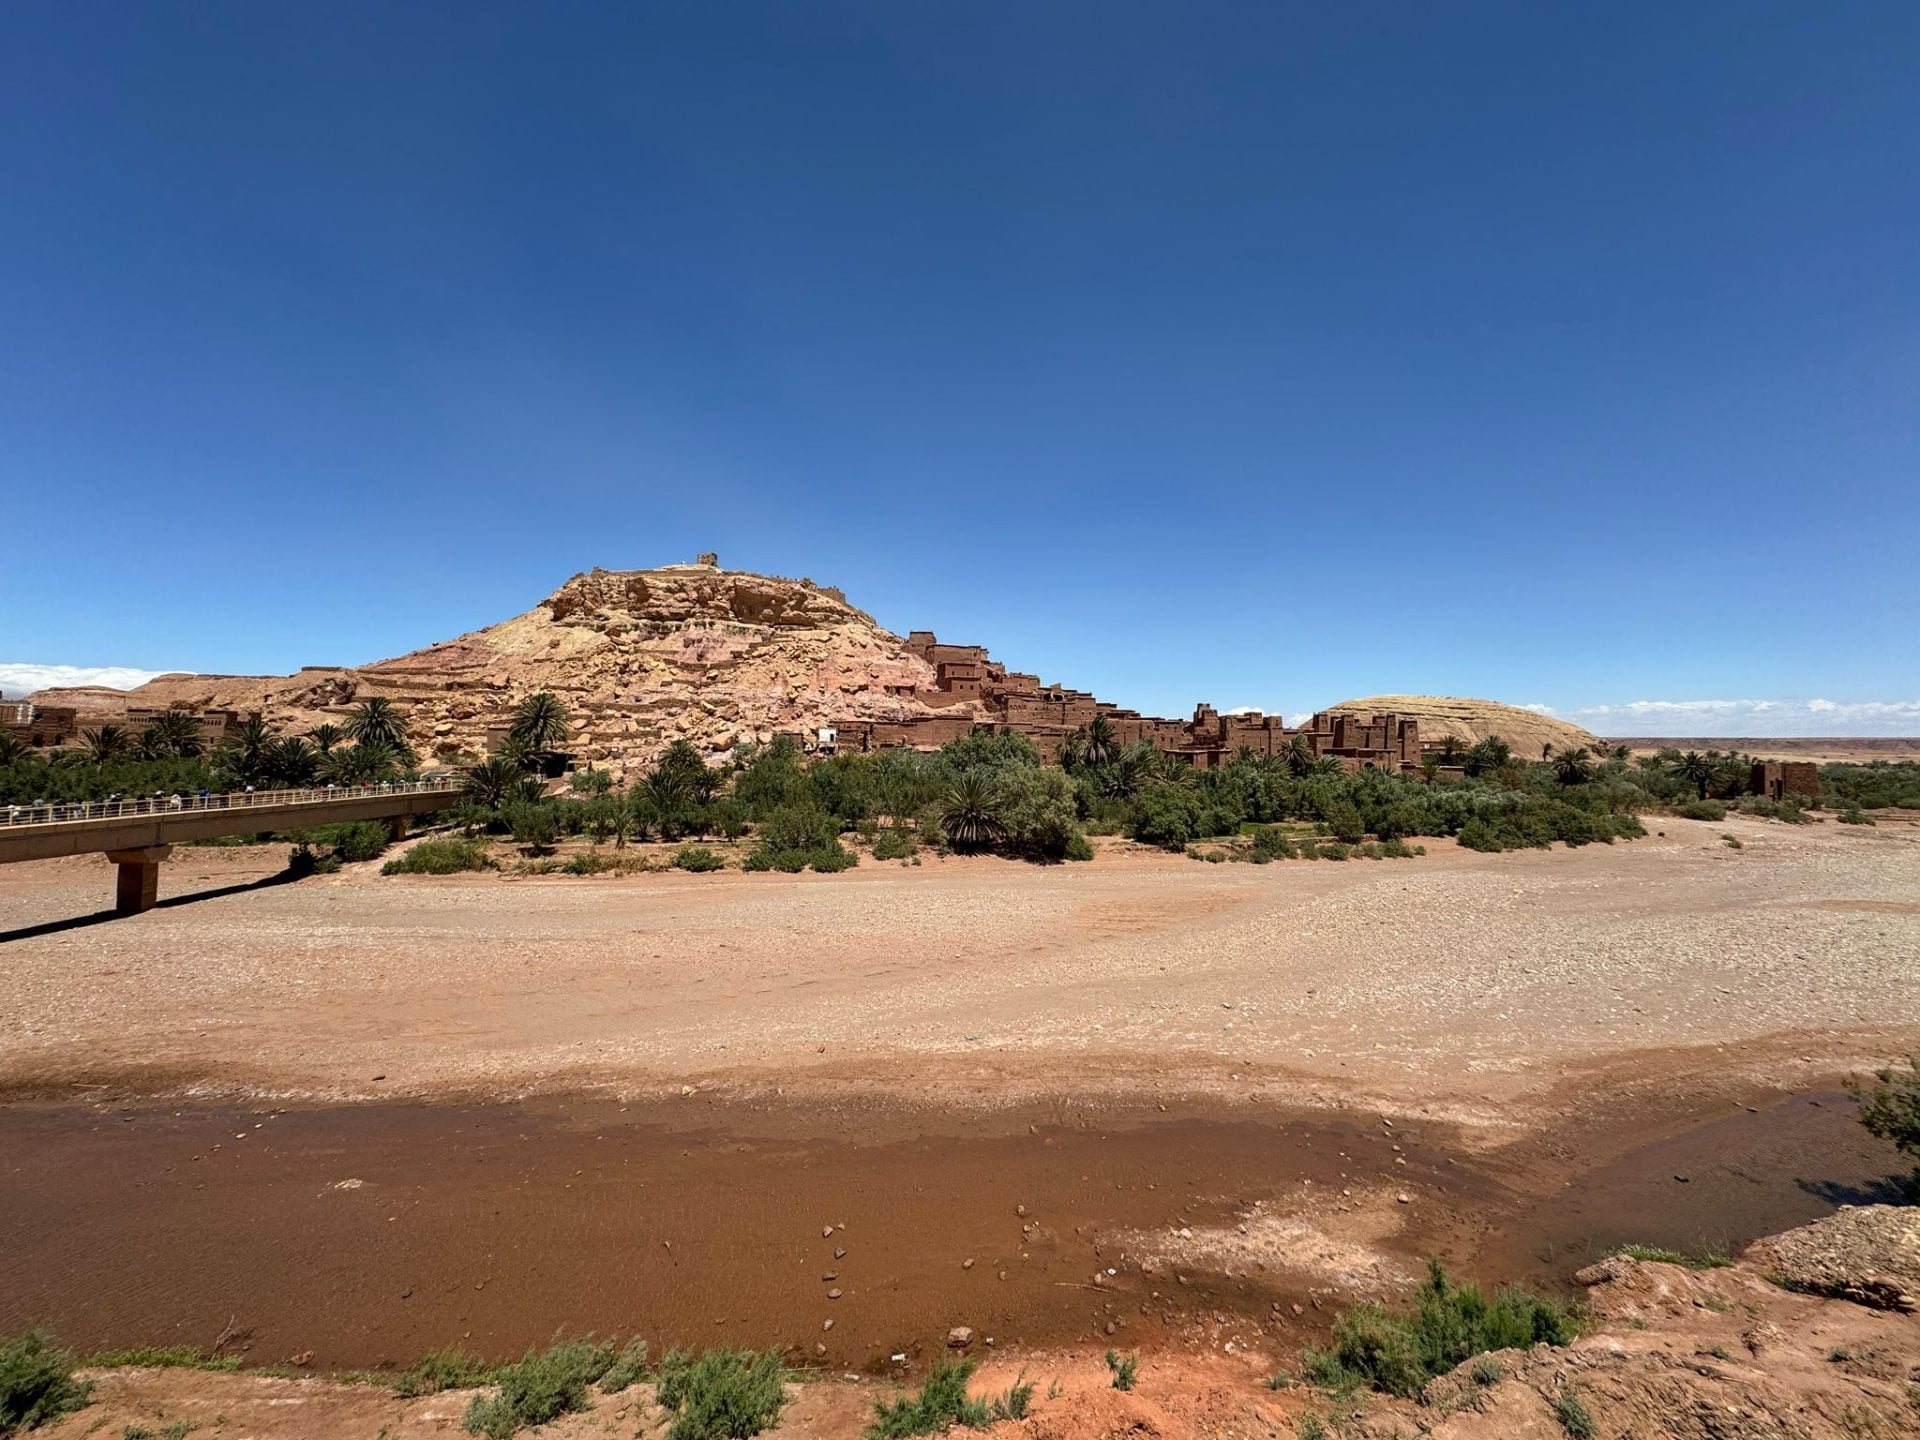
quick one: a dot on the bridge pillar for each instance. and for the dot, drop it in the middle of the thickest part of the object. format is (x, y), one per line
(137, 887)
(396, 828)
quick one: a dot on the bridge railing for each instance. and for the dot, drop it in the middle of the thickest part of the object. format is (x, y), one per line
(62, 812)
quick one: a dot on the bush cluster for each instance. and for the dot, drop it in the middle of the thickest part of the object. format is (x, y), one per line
(1399, 1352)
(722, 1395)
(36, 1383)
(440, 855)
(943, 1402)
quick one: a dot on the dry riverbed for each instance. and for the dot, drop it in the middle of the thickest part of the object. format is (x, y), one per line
(1165, 1105)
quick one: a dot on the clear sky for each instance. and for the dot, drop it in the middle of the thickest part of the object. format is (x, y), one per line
(1270, 354)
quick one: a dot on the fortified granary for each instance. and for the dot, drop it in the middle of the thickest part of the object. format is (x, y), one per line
(977, 693)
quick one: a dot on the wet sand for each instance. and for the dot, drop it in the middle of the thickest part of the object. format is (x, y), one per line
(365, 1236)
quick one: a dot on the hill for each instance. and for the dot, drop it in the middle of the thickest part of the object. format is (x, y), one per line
(639, 658)
(1443, 715)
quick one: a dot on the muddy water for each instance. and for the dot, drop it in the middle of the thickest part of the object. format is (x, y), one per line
(1712, 1187)
(370, 1235)
(366, 1236)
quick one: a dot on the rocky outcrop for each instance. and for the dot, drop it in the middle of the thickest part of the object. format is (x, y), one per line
(639, 657)
(1869, 1254)
(1470, 720)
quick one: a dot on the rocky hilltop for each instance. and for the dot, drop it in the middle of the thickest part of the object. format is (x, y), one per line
(1470, 720)
(639, 657)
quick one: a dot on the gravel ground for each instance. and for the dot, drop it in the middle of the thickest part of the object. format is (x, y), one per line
(1470, 981)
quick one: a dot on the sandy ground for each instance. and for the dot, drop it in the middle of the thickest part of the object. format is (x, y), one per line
(1465, 984)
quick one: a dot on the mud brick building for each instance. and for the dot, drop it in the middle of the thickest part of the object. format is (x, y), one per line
(1777, 779)
(984, 695)
(40, 727)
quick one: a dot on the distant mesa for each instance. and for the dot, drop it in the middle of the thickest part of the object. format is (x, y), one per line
(642, 658)
(1441, 716)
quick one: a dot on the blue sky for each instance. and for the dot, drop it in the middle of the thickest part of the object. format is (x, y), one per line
(1267, 354)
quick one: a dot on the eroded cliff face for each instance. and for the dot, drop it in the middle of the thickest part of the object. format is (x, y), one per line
(639, 657)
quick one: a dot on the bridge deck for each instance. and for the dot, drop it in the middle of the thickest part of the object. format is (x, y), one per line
(44, 832)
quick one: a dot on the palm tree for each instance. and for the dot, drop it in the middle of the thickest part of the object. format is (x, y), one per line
(686, 762)
(1172, 769)
(1450, 749)
(970, 813)
(1101, 744)
(1328, 767)
(361, 764)
(1546, 750)
(374, 721)
(1073, 753)
(1733, 775)
(539, 723)
(1696, 769)
(243, 756)
(492, 783)
(290, 761)
(667, 796)
(1299, 754)
(11, 750)
(107, 743)
(1489, 754)
(1130, 771)
(325, 736)
(1575, 766)
(174, 732)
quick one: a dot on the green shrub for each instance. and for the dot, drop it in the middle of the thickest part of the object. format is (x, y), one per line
(629, 1368)
(1311, 1427)
(541, 1386)
(1125, 1368)
(1270, 842)
(832, 860)
(440, 857)
(894, 844)
(1701, 810)
(943, 1402)
(1166, 815)
(358, 840)
(724, 1395)
(698, 859)
(36, 1383)
(1573, 1416)
(437, 1370)
(1037, 810)
(535, 823)
(799, 826)
(1396, 850)
(1400, 1352)
(1334, 850)
(1712, 1260)
(589, 862)
(1343, 822)
(1078, 848)
(1890, 1108)
(1852, 816)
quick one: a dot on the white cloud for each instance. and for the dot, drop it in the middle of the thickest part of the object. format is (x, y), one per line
(20, 678)
(1760, 718)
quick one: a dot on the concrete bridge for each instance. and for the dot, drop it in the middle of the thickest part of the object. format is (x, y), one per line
(137, 834)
